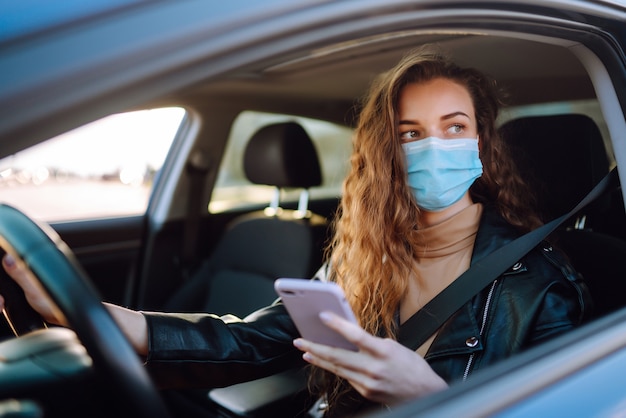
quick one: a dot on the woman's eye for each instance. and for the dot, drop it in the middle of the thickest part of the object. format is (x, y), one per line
(409, 136)
(455, 129)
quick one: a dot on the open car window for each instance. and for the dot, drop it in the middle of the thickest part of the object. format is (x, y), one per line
(103, 169)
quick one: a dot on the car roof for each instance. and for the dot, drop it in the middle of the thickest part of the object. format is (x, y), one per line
(28, 17)
(309, 57)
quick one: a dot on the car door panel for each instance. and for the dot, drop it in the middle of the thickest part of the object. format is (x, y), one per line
(107, 249)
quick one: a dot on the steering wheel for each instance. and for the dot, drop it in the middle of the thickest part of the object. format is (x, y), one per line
(58, 271)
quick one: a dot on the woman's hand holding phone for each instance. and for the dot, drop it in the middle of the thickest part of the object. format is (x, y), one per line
(380, 369)
(306, 299)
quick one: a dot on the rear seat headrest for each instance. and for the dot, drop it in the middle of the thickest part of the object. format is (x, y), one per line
(562, 157)
(282, 155)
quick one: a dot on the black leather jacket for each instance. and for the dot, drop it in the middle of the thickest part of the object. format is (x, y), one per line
(539, 297)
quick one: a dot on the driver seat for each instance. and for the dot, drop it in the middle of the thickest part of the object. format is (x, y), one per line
(563, 157)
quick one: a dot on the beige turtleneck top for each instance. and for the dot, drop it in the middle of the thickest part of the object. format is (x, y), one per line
(444, 254)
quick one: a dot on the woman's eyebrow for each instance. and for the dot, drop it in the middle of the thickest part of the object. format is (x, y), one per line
(444, 117)
(454, 114)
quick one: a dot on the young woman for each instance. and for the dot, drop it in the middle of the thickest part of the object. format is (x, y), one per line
(431, 190)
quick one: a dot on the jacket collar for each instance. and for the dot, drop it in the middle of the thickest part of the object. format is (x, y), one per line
(493, 233)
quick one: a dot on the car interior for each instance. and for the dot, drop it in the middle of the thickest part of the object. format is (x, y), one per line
(562, 152)
(559, 115)
(328, 83)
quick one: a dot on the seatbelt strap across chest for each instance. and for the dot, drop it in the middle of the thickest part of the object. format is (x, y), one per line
(425, 322)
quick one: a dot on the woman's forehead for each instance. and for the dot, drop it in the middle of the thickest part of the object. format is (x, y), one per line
(435, 97)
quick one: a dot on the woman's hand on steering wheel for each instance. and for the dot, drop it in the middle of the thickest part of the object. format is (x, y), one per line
(36, 296)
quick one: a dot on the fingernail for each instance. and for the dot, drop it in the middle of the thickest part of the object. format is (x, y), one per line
(297, 343)
(9, 261)
(325, 316)
(307, 357)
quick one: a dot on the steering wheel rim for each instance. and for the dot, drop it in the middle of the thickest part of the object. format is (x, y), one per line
(58, 271)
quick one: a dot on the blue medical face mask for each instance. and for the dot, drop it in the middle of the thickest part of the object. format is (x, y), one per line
(440, 171)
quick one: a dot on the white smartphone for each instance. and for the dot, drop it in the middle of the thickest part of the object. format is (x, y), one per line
(304, 300)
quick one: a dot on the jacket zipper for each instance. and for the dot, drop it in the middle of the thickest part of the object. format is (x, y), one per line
(482, 328)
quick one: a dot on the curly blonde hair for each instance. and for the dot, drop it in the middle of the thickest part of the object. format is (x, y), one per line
(372, 251)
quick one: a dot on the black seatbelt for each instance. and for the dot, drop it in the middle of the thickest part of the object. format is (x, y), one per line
(423, 324)
(197, 168)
